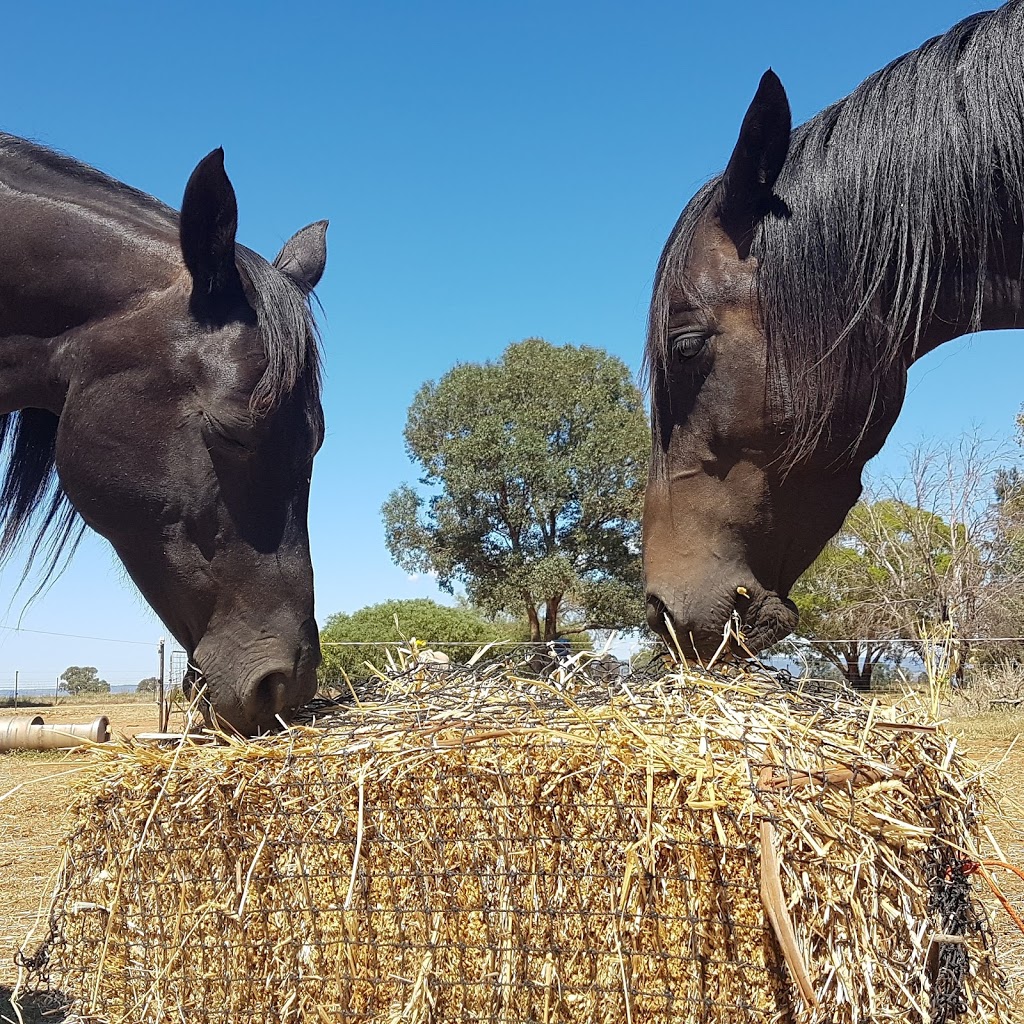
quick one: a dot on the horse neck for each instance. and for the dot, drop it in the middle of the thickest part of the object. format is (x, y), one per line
(68, 268)
(986, 299)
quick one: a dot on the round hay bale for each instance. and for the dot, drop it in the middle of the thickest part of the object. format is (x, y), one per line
(493, 848)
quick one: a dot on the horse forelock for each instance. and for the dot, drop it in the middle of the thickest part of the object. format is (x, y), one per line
(669, 275)
(290, 336)
(890, 196)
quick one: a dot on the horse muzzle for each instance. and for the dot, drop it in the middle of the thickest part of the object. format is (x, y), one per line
(701, 629)
(257, 692)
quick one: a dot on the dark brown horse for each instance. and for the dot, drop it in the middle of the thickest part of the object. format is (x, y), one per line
(792, 296)
(163, 383)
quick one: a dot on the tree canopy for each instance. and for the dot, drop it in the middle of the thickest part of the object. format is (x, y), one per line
(534, 468)
(874, 585)
(457, 632)
(78, 679)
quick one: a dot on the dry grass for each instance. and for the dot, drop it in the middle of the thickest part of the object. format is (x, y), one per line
(487, 847)
(39, 703)
(995, 689)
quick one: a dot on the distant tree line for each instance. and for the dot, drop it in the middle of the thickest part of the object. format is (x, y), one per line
(77, 680)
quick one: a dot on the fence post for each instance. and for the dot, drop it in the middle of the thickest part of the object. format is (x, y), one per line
(56, 691)
(15, 689)
(162, 721)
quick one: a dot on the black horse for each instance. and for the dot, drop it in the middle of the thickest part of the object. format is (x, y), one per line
(792, 296)
(163, 384)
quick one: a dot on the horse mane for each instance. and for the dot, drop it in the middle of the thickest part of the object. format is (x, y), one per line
(887, 195)
(31, 498)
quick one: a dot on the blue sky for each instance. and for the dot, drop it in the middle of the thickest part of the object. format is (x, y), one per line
(491, 171)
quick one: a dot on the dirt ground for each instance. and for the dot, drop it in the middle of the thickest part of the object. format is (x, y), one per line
(36, 792)
(37, 789)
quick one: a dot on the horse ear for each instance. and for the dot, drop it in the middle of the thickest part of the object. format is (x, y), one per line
(209, 220)
(304, 256)
(756, 161)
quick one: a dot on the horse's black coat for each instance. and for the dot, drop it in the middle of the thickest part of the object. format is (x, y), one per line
(163, 383)
(890, 201)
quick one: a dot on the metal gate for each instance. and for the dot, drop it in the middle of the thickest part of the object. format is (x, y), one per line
(176, 672)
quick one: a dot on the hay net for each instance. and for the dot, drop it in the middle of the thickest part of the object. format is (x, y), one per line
(478, 844)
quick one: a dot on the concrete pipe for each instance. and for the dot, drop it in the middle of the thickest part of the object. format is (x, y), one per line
(32, 734)
(13, 731)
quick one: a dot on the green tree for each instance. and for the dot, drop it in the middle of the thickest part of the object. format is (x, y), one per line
(147, 685)
(880, 584)
(927, 565)
(78, 679)
(457, 632)
(839, 613)
(535, 467)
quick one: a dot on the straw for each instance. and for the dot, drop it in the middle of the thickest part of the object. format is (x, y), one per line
(477, 843)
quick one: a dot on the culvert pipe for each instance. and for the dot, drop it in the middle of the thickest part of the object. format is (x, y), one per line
(13, 731)
(31, 733)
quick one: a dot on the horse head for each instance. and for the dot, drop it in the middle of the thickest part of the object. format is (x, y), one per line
(734, 511)
(181, 408)
(792, 296)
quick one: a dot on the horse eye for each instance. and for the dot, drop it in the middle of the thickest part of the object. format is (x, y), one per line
(686, 346)
(234, 440)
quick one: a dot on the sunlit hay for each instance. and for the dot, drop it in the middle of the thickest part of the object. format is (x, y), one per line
(475, 844)
(941, 653)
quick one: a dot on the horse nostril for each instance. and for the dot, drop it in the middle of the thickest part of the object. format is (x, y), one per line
(270, 695)
(657, 613)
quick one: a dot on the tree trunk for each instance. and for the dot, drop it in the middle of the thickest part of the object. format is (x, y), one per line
(534, 619)
(551, 617)
(963, 652)
(859, 678)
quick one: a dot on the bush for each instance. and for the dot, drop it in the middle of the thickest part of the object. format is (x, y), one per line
(990, 687)
(457, 632)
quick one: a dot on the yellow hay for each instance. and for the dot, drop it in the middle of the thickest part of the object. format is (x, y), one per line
(478, 846)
